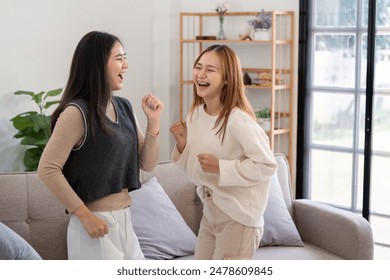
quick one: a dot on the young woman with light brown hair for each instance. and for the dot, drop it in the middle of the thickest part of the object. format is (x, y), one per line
(227, 155)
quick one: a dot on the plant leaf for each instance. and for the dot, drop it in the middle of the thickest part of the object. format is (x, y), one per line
(41, 122)
(27, 132)
(31, 158)
(20, 134)
(29, 140)
(25, 114)
(35, 126)
(22, 92)
(38, 97)
(35, 140)
(50, 103)
(21, 122)
(53, 92)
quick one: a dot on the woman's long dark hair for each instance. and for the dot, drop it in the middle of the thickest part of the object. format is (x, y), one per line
(88, 77)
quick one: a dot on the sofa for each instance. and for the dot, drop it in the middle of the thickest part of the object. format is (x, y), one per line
(314, 230)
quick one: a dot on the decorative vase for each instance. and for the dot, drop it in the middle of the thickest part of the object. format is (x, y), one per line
(221, 34)
(261, 34)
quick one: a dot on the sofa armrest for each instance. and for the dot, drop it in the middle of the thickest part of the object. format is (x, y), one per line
(338, 231)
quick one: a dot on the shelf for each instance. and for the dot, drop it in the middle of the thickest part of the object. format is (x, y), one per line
(253, 14)
(280, 87)
(268, 85)
(279, 131)
(276, 87)
(259, 70)
(277, 42)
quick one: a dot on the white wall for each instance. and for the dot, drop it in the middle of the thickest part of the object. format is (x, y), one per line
(38, 39)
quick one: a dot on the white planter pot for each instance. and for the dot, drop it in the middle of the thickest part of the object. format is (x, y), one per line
(262, 34)
(265, 124)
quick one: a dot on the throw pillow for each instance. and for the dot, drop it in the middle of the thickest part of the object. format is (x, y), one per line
(161, 230)
(279, 228)
(14, 247)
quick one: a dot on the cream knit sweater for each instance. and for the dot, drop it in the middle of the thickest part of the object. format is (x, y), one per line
(246, 164)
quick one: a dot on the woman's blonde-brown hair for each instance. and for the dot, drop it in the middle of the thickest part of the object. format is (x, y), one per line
(233, 93)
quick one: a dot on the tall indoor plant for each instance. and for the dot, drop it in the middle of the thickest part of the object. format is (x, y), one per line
(34, 126)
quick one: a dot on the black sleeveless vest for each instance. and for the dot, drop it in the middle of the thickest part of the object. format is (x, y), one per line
(105, 164)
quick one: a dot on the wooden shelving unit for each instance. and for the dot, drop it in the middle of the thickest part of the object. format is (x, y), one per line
(272, 58)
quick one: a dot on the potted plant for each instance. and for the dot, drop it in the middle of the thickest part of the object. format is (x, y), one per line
(264, 118)
(261, 25)
(34, 126)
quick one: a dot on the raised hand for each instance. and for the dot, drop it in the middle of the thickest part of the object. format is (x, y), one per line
(179, 131)
(152, 107)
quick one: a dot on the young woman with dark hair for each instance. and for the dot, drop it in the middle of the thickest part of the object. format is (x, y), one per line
(96, 150)
(227, 155)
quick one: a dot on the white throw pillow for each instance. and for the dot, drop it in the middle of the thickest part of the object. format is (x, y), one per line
(161, 230)
(279, 228)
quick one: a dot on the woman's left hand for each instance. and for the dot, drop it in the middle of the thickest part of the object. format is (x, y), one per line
(152, 107)
(208, 163)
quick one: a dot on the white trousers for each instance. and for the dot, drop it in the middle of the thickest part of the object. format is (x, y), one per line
(120, 243)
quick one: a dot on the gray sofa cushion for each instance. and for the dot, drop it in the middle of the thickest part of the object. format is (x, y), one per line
(279, 228)
(161, 230)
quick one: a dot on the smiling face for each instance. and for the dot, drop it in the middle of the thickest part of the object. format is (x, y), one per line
(207, 76)
(116, 67)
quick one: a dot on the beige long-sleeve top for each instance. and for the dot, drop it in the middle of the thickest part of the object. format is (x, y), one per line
(67, 134)
(246, 163)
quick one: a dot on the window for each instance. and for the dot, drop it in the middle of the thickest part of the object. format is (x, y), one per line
(334, 104)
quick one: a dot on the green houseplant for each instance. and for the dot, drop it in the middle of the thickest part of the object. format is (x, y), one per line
(263, 114)
(263, 118)
(34, 126)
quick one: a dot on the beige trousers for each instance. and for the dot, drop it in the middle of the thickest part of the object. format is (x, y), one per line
(222, 238)
(120, 243)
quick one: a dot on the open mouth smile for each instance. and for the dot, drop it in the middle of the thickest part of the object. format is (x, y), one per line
(203, 84)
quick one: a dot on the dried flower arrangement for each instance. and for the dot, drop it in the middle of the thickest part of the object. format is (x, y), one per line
(222, 8)
(262, 20)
